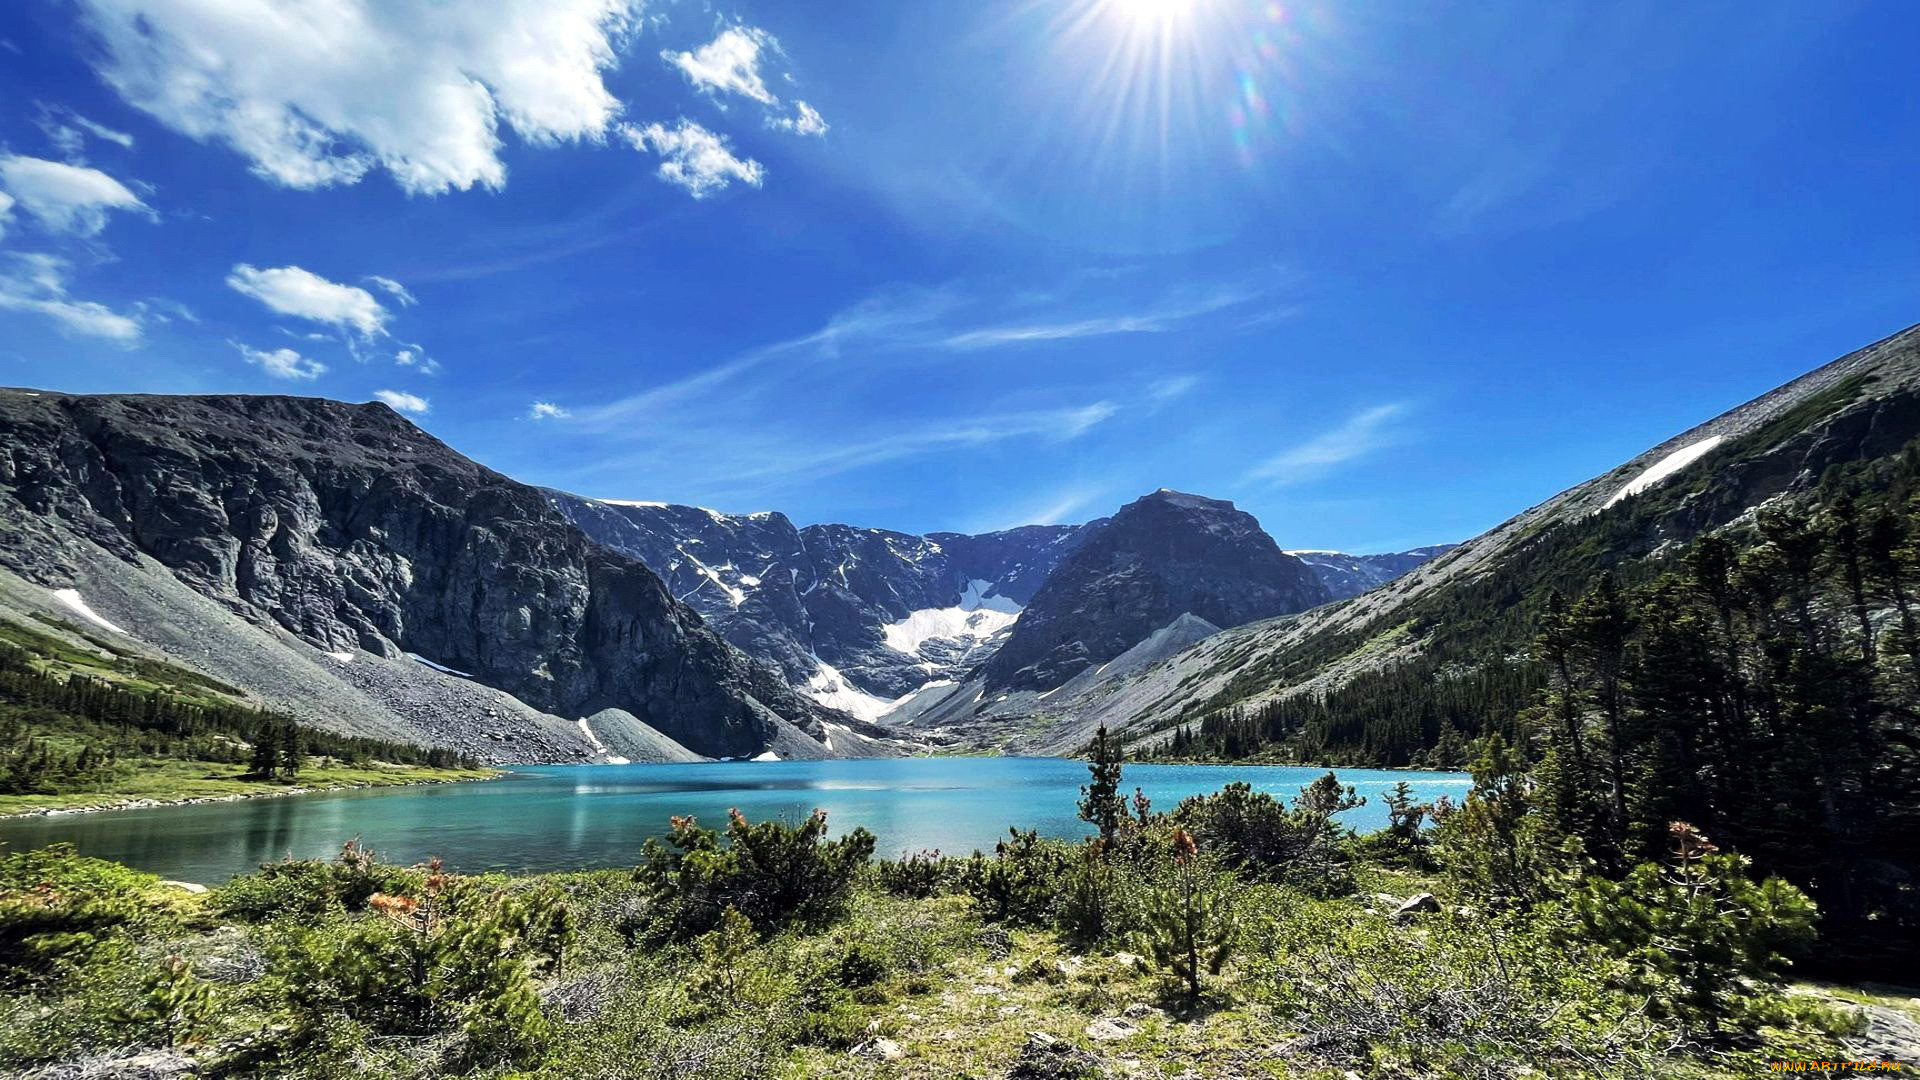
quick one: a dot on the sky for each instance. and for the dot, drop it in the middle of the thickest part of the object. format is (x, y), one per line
(1384, 275)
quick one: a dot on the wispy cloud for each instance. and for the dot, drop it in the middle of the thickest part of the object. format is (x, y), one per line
(37, 284)
(546, 410)
(1172, 388)
(1159, 317)
(748, 461)
(1361, 434)
(1069, 506)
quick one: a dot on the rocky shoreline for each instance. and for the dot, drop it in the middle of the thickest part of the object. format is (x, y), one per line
(147, 803)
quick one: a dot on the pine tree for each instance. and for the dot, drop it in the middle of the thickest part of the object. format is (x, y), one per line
(1101, 804)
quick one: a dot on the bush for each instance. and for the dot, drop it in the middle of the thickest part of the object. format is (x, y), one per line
(413, 969)
(916, 876)
(1020, 883)
(1702, 941)
(60, 910)
(1471, 995)
(311, 887)
(1252, 833)
(774, 874)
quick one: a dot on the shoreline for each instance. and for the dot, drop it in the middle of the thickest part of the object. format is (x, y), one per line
(149, 802)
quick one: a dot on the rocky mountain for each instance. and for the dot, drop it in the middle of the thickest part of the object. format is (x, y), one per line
(1434, 650)
(1162, 556)
(857, 617)
(1347, 575)
(348, 568)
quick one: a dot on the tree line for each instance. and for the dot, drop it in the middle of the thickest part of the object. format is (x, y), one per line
(64, 731)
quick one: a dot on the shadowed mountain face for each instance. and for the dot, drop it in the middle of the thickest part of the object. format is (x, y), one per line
(348, 528)
(1162, 556)
(858, 616)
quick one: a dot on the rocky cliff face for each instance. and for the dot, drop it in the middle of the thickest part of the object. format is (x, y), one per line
(856, 616)
(349, 528)
(1347, 575)
(1165, 555)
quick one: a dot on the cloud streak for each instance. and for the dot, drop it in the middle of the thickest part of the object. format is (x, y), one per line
(37, 284)
(1361, 434)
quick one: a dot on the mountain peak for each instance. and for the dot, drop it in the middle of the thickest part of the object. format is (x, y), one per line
(1181, 499)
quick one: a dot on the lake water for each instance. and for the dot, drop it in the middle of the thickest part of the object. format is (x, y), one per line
(566, 817)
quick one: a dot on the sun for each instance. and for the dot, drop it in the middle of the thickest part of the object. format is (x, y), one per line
(1152, 14)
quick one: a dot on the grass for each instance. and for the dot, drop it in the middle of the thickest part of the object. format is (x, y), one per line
(170, 780)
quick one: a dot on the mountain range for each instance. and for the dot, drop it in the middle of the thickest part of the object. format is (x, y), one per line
(342, 565)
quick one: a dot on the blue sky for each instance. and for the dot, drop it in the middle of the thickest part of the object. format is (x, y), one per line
(1382, 274)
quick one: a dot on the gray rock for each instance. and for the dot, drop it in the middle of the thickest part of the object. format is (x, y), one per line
(346, 526)
(1417, 904)
(1162, 556)
(880, 1050)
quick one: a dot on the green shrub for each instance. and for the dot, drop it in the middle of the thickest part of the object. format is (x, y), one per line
(917, 876)
(774, 874)
(411, 969)
(1480, 996)
(1699, 939)
(1021, 882)
(313, 887)
(1188, 919)
(60, 910)
(1251, 833)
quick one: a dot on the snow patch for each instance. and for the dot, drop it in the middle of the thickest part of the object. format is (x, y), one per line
(628, 502)
(343, 657)
(830, 688)
(600, 747)
(1666, 467)
(441, 668)
(974, 598)
(765, 755)
(71, 598)
(977, 616)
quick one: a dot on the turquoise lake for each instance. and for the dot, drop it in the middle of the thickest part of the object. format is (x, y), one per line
(567, 817)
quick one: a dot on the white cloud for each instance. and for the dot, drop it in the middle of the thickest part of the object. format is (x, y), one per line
(303, 294)
(413, 356)
(806, 120)
(693, 157)
(321, 92)
(401, 401)
(38, 284)
(729, 64)
(547, 410)
(394, 289)
(282, 363)
(1362, 433)
(66, 198)
(6, 213)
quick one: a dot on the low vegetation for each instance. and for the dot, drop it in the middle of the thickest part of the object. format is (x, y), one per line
(1231, 936)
